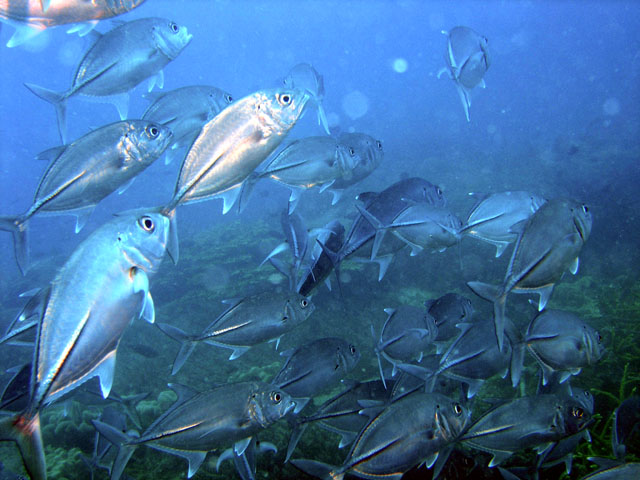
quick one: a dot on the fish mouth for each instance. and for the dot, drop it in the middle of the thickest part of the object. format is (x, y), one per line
(579, 229)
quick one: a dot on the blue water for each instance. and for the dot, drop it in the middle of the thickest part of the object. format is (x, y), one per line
(560, 116)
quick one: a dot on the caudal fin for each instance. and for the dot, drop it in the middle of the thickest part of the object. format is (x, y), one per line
(498, 296)
(122, 441)
(18, 228)
(185, 349)
(59, 102)
(26, 433)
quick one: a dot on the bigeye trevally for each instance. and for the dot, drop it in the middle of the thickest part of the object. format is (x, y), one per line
(467, 60)
(82, 315)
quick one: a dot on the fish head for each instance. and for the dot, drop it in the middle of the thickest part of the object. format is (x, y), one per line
(304, 77)
(451, 418)
(576, 418)
(143, 236)
(584, 398)
(592, 344)
(348, 357)
(582, 220)
(364, 151)
(268, 404)
(149, 139)
(170, 38)
(277, 110)
(297, 308)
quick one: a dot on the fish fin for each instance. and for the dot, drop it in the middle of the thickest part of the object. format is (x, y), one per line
(23, 34)
(574, 266)
(280, 248)
(229, 198)
(83, 28)
(241, 445)
(545, 294)
(326, 185)
(294, 198)
(194, 457)
(300, 404)
(379, 227)
(18, 228)
(186, 347)
(121, 102)
(443, 456)
(226, 455)
(59, 102)
(442, 71)
(498, 458)
(296, 433)
(51, 154)
(318, 469)
(246, 189)
(82, 216)
(430, 460)
(465, 98)
(482, 84)
(26, 434)
(322, 118)
(474, 386)
(337, 194)
(157, 79)
(500, 248)
(346, 438)
(367, 197)
(183, 392)
(173, 247)
(238, 351)
(141, 284)
(104, 371)
(148, 309)
(498, 296)
(123, 188)
(383, 262)
(517, 363)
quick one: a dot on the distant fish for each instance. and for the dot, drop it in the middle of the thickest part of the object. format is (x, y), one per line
(117, 62)
(304, 77)
(493, 216)
(324, 257)
(626, 425)
(449, 310)
(467, 61)
(548, 245)
(31, 17)
(84, 172)
(185, 111)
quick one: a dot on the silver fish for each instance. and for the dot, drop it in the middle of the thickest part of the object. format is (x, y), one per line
(548, 244)
(200, 422)
(562, 343)
(185, 111)
(30, 17)
(118, 61)
(247, 322)
(493, 216)
(367, 153)
(626, 424)
(82, 315)
(304, 77)
(412, 430)
(234, 143)
(84, 172)
(449, 310)
(467, 61)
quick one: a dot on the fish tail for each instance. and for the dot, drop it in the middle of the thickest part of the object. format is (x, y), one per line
(26, 433)
(18, 228)
(497, 295)
(122, 441)
(185, 349)
(59, 102)
(246, 189)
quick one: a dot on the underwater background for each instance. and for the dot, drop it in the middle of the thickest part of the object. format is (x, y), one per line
(560, 116)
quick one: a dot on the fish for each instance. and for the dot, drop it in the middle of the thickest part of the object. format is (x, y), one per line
(185, 111)
(449, 310)
(467, 60)
(101, 445)
(562, 344)
(304, 77)
(247, 322)
(31, 17)
(84, 172)
(505, 430)
(492, 217)
(414, 429)
(613, 470)
(626, 425)
(315, 365)
(407, 332)
(117, 62)
(83, 313)
(234, 143)
(324, 257)
(367, 155)
(548, 244)
(230, 414)
(296, 239)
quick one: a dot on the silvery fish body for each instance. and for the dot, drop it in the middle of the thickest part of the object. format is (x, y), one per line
(234, 143)
(406, 334)
(526, 422)
(247, 322)
(548, 245)
(200, 422)
(493, 216)
(185, 111)
(118, 61)
(367, 155)
(315, 365)
(304, 77)
(561, 342)
(400, 436)
(467, 61)
(323, 257)
(449, 310)
(84, 312)
(30, 17)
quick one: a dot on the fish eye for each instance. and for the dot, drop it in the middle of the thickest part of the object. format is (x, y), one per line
(599, 337)
(352, 151)
(352, 349)
(228, 98)
(285, 99)
(304, 303)
(153, 131)
(285, 318)
(276, 397)
(577, 412)
(379, 145)
(585, 209)
(147, 224)
(457, 408)
(439, 191)
(174, 27)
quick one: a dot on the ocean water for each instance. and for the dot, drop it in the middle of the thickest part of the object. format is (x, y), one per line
(559, 116)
